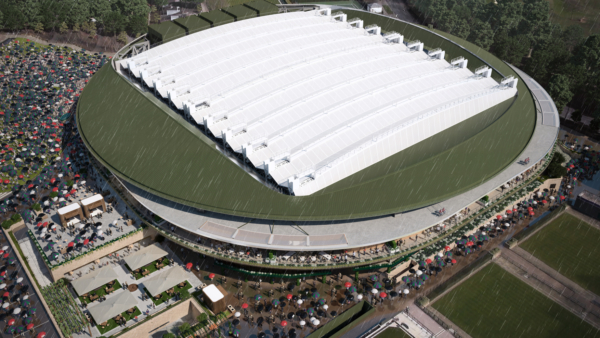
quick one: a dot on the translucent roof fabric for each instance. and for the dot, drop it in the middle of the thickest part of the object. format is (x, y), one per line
(165, 280)
(94, 280)
(145, 256)
(312, 100)
(112, 307)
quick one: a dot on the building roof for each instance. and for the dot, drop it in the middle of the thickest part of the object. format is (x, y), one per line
(445, 165)
(240, 12)
(262, 7)
(165, 280)
(69, 208)
(92, 199)
(94, 280)
(145, 256)
(217, 17)
(192, 24)
(213, 293)
(112, 307)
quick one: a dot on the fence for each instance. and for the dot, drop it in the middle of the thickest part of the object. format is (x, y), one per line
(440, 321)
(566, 293)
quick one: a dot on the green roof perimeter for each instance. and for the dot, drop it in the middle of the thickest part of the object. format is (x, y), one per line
(262, 7)
(165, 32)
(192, 24)
(144, 142)
(217, 17)
(240, 12)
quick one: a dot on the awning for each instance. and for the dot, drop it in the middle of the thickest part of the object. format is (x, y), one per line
(145, 256)
(94, 280)
(112, 307)
(165, 280)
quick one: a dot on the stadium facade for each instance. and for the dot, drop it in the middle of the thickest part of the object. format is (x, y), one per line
(310, 131)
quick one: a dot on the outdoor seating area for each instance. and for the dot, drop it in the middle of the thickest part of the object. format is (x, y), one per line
(147, 260)
(102, 291)
(114, 311)
(96, 284)
(167, 284)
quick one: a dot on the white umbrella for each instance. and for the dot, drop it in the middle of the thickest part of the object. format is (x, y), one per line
(507, 224)
(44, 230)
(300, 301)
(19, 280)
(115, 222)
(17, 311)
(483, 232)
(312, 319)
(325, 307)
(534, 202)
(25, 297)
(552, 198)
(43, 156)
(82, 182)
(60, 175)
(53, 226)
(74, 186)
(316, 322)
(374, 291)
(65, 192)
(441, 254)
(5, 305)
(99, 227)
(100, 233)
(4, 248)
(61, 199)
(406, 291)
(56, 199)
(419, 272)
(237, 314)
(302, 323)
(32, 192)
(359, 297)
(2, 286)
(80, 226)
(46, 203)
(568, 187)
(498, 228)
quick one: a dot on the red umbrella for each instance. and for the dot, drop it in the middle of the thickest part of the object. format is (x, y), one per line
(348, 284)
(244, 306)
(289, 296)
(86, 241)
(211, 276)
(453, 261)
(498, 216)
(71, 244)
(469, 243)
(11, 321)
(45, 224)
(515, 210)
(509, 211)
(30, 326)
(21, 176)
(544, 201)
(1, 252)
(2, 273)
(428, 261)
(562, 198)
(30, 186)
(531, 213)
(73, 191)
(447, 248)
(6, 294)
(383, 295)
(6, 181)
(189, 266)
(41, 335)
(5, 255)
(40, 224)
(55, 189)
(283, 323)
(52, 180)
(529, 209)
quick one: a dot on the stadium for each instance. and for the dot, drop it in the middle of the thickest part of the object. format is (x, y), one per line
(323, 130)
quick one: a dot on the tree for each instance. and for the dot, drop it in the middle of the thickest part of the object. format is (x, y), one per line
(1, 19)
(588, 55)
(158, 3)
(122, 38)
(30, 10)
(559, 90)
(14, 19)
(595, 124)
(76, 27)
(511, 49)
(79, 12)
(549, 56)
(481, 34)
(572, 36)
(168, 335)
(199, 8)
(555, 168)
(130, 8)
(577, 115)
(138, 25)
(113, 23)
(183, 328)
(202, 318)
(39, 28)
(63, 27)
(99, 8)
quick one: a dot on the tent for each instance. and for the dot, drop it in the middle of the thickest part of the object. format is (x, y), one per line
(94, 280)
(145, 256)
(165, 280)
(112, 307)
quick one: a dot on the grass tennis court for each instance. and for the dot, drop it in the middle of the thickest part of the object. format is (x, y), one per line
(393, 332)
(570, 246)
(494, 303)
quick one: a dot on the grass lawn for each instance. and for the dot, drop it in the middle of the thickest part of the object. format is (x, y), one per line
(393, 332)
(570, 246)
(112, 323)
(165, 296)
(100, 292)
(494, 303)
(150, 268)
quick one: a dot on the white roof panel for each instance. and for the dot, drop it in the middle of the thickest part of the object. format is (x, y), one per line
(309, 99)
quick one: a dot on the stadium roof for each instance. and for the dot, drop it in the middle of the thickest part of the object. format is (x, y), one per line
(240, 12)
(262, 7)
(165, 32)
(192, 24)
(144, 142)
(353, 100)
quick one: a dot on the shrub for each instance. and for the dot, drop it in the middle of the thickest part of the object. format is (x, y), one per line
(270, 254)
(70, 183)
(393, 244)
(37, 207)
(7, 224)
(16, 218)
(53, 194)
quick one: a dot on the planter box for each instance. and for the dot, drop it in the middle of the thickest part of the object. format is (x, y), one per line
(483, 203)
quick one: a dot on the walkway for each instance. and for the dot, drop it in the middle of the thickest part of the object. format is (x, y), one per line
(36, 263)
(422, 317)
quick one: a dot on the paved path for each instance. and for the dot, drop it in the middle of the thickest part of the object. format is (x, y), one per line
(36, 263)
(432, 325)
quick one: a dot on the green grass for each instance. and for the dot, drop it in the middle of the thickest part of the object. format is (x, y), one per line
(393, 332)
(570, 246)
(570, 12)
(100, 292)
(494, 303)
(165, 296)
(150, 268)
(112, 323)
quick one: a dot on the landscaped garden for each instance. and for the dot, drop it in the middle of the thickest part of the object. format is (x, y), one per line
(150, 267)
(111, 323)
(100, 291)
(164, 295)
(67, 313)
(494, 303)
(570, 246)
